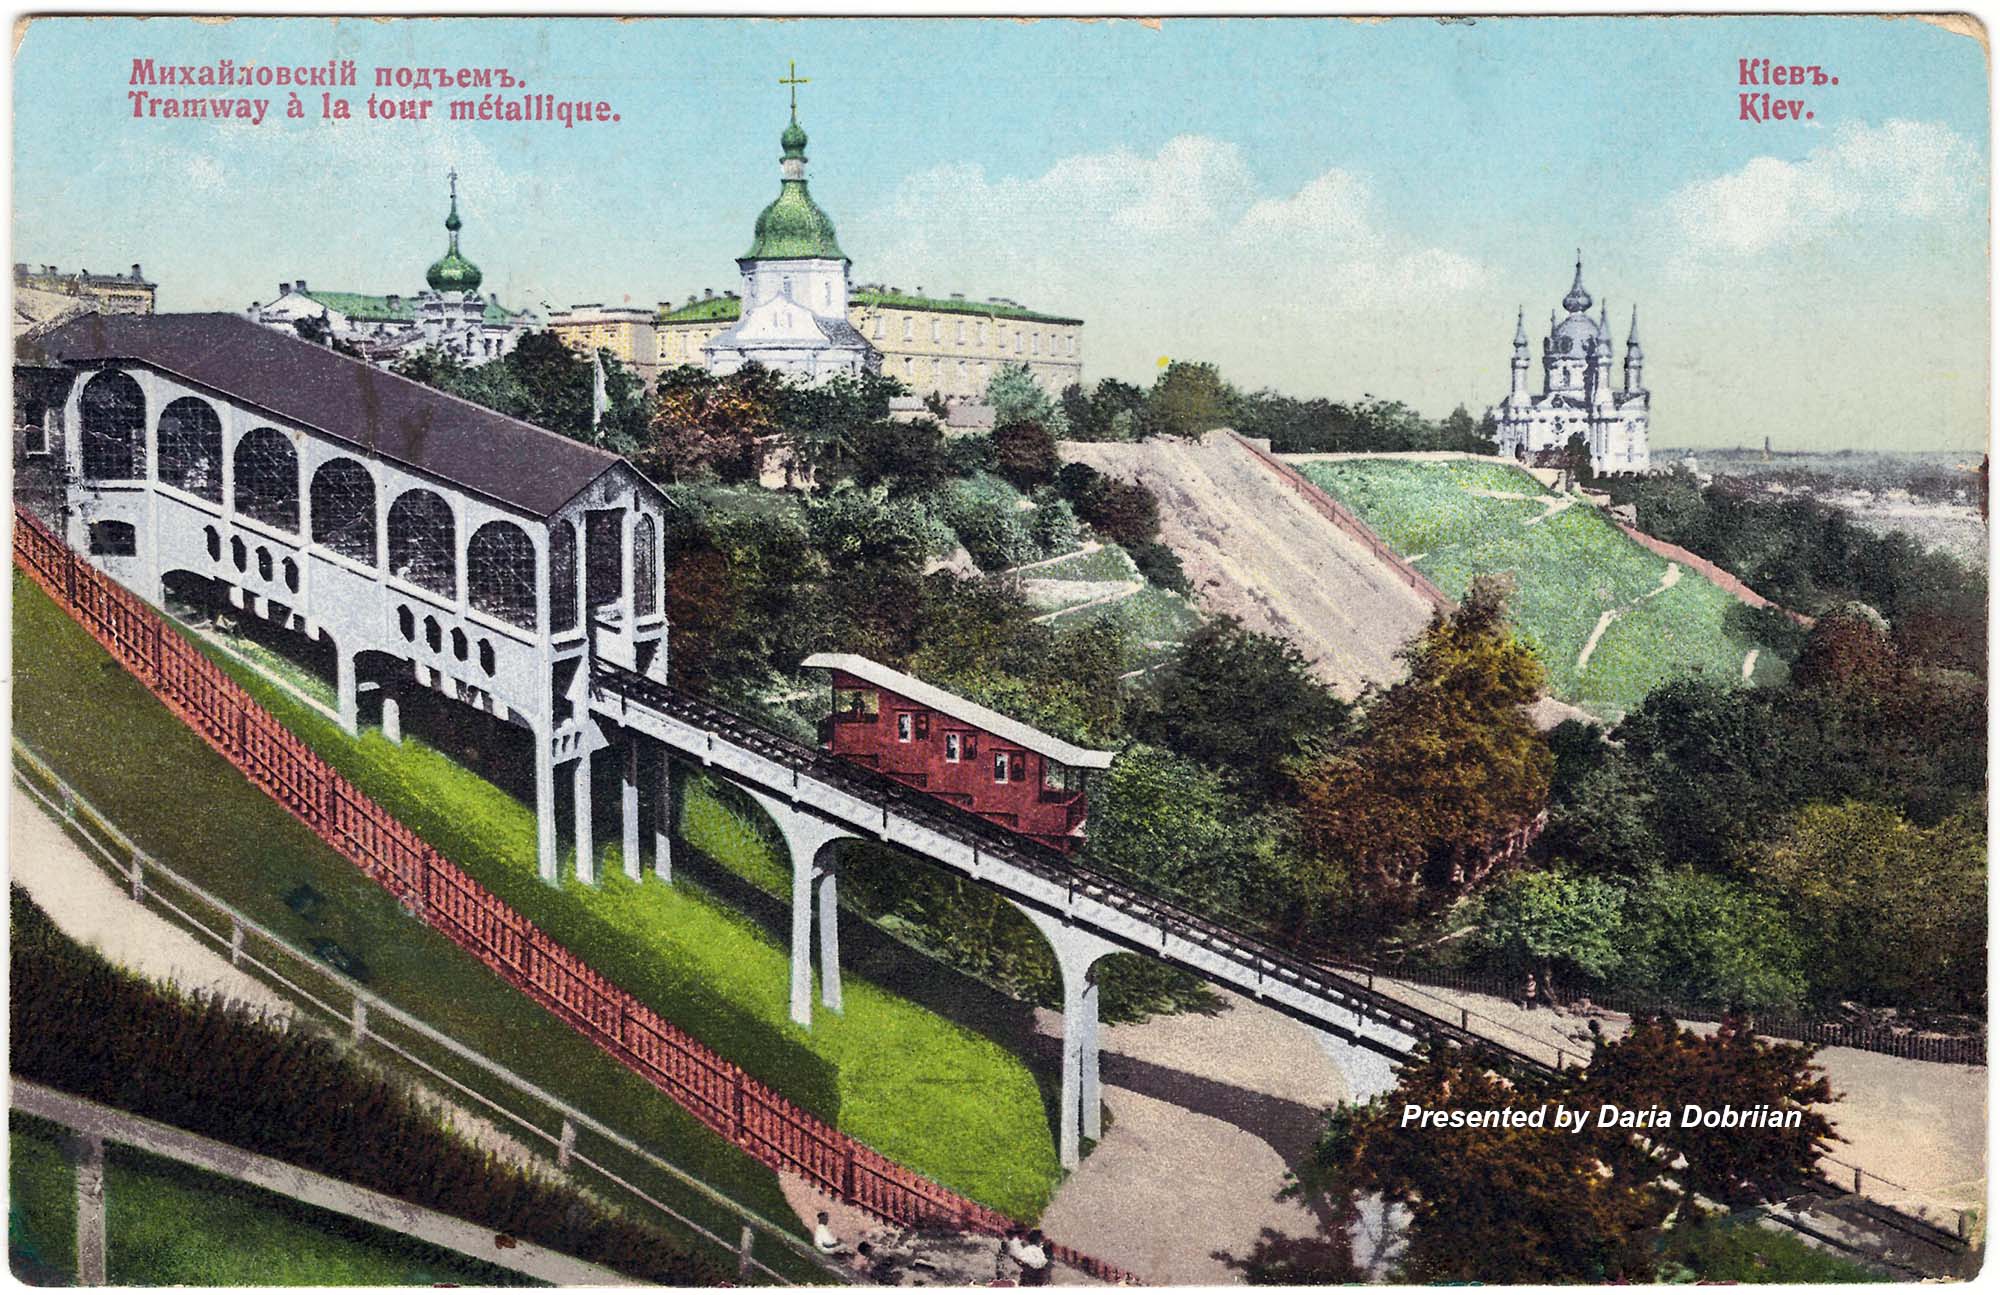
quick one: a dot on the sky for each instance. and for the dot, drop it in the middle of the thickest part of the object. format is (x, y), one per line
(1322, 207)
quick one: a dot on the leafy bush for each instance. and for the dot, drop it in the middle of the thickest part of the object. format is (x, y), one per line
(1162, 566)
(987, 515)
(1053, 525)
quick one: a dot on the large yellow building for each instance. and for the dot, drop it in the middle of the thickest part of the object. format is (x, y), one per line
(948, 346)
(625, 332)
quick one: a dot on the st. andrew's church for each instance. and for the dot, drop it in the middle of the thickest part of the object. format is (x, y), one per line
(1577, 393)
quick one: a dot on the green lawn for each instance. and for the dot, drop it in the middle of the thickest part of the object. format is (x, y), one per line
(1153, 623)
(1109, 562)
(1718, 1251)
(41, 1205)
(188, 807)
(1569, 570)
(170, 1225)
(939, 1098)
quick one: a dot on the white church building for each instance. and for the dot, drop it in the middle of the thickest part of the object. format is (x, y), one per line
(795, 301)
(1577, 393)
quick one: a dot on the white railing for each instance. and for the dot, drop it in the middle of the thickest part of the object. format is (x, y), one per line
(362, 1012)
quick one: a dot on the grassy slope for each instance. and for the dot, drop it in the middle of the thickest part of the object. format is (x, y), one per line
(1569, 570)
(1106, 563)
(941, 1099)
(123, 751)
(41, 1204)
(167, 1224)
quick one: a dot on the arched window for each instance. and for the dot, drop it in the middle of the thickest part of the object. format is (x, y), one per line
(645, 567)
(343, 509)
(191, 448)
(423, 542)
(114, 428)
(267, 478)
(562, 575)
(500, 573)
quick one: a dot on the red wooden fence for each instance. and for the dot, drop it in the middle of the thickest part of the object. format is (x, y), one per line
(715, 1090)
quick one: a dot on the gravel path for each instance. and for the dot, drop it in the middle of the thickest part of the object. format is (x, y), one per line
(1206, 1115)
(91, 909)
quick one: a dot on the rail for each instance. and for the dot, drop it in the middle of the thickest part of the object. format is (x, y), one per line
(363, 1013)
(1350, 985)
(716, 1091)
(95, 1125)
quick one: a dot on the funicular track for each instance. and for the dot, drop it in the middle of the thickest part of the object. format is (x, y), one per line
(1312, 985)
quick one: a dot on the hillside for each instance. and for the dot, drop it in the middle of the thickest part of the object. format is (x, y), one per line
(1255, 549)
(1609, 619)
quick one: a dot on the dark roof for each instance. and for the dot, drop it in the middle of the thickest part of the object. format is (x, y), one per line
(456, 441)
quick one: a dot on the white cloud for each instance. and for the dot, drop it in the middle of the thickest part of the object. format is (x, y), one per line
(1898, 171)
(1180, 251)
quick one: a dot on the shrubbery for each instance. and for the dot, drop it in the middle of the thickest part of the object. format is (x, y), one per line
(223, 1070)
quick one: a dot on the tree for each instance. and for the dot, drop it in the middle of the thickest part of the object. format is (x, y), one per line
(1537, 921)
(1188, 399)
(1176, 823)
(1576, 460)
(707, 424)
(1446, 763)
(1705, 939)
(1243, 703)
(1017, 397)
(827, 426)
(1025, 453)
(1892, 913)
(1507, 1205)
(1848, 647)
(1659, 1065)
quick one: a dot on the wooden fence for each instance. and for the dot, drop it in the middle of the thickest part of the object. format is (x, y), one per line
(715, 1090)
(1914, 1045)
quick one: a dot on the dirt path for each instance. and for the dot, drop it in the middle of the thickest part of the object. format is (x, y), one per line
(92, 910)
(1749, 664)
(1254, 549)
(1668, 580)
(1206, 1115)
(1918, 1124)
(1551, 503)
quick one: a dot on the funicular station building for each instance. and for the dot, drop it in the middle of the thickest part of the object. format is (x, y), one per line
(422, 541)
(425, 546)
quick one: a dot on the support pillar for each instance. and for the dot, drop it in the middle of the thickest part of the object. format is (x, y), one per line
(347, 695)
(663, 822)
(1077, 953)
(392, 718)
(628, 808)
(586, 852)
(806, 837)
(829, 938)
(547, 859)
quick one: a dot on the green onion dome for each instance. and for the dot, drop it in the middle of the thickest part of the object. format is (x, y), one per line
(452, 272)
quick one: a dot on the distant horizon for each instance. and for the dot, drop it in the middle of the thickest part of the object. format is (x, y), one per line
(1240, 192)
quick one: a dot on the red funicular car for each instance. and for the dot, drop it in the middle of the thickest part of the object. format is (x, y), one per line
(959, 751)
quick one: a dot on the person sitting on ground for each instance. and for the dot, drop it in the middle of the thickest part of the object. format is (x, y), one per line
(1034, 1259)
(823, 1238)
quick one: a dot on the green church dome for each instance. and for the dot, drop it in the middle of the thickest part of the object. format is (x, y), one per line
(452, 272)
(793, 227)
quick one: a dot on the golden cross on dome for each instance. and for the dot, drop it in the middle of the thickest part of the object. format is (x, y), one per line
(795, 81)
